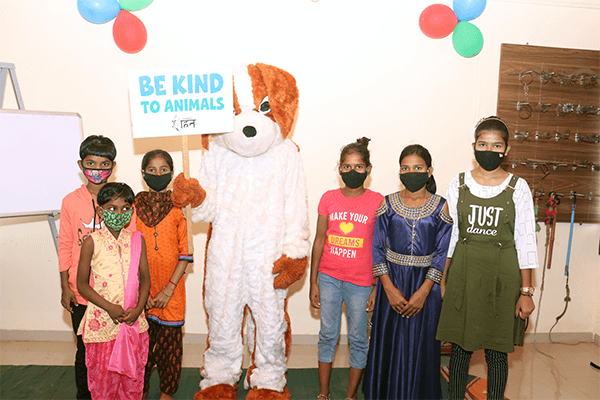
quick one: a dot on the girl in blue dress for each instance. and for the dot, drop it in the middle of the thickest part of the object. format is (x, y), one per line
(410, 244)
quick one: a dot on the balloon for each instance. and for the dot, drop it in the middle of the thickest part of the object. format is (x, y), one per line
(467, 10)
(134, 5)
(467, 39)
(437, 21)
(98, 11)
(129, 32)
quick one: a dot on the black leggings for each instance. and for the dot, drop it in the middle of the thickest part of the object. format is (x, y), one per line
(166, 352)
(497, 363)
(80, 368)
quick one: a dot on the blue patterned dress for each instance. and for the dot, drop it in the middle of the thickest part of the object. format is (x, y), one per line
(410, 244)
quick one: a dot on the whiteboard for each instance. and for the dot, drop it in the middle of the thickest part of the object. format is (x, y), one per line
(40, 151)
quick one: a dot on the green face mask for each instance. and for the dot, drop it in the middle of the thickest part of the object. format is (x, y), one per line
(116, 221)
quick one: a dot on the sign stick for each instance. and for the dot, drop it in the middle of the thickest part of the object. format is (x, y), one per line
(188, 209)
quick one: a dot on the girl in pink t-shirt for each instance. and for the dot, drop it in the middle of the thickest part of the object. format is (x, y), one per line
(341, 265)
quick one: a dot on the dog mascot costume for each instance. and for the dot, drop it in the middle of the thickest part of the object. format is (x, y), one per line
(256, 202)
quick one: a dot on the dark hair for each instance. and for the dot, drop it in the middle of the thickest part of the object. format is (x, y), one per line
(359, 147)
(149, 156)
(114, 190)
(98, 145)
(492, 123)
(424, 154)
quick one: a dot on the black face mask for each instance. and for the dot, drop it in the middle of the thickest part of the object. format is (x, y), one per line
(414, 181)
(489, 160)
(157, 182)
(353, 179)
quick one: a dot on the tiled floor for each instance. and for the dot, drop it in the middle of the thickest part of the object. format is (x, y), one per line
(531, 376)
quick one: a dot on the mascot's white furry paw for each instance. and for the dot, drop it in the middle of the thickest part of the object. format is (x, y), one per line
(289, 270)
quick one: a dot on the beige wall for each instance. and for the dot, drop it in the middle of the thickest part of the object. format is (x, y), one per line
(363, 68)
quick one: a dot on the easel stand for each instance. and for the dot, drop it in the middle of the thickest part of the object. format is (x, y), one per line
(5, 69)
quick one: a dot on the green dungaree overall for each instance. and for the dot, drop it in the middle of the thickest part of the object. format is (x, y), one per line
(483, 280)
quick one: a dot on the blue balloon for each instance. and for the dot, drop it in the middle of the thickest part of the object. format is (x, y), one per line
(98, 11)
(467, 10)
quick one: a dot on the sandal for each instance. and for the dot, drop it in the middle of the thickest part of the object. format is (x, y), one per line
(323, 396)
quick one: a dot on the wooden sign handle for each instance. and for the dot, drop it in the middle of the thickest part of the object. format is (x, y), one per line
(188, 209)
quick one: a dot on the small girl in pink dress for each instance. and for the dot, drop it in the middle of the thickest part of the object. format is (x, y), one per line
(114, 328)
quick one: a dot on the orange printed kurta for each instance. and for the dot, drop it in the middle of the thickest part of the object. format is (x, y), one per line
(165, 242)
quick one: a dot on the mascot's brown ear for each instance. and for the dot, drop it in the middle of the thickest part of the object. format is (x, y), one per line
(283, 95)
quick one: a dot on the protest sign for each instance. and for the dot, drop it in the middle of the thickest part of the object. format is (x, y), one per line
(178, 102)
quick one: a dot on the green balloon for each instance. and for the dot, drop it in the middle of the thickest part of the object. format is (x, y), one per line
(134, 5)
(467, 39)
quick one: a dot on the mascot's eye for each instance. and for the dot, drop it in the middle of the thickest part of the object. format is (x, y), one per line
(264, 107)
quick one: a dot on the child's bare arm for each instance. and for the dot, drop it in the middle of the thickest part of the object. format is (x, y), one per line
(445, 276)
(115, 311)
(525, 304)
(65, 258)
(132, 314)
(317, 251)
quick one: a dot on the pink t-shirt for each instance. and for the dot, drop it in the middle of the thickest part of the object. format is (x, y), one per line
(347, 254)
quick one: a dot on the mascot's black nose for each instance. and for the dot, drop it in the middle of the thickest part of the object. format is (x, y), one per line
(249, 131)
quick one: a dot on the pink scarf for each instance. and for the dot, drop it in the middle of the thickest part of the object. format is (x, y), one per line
(124, 358)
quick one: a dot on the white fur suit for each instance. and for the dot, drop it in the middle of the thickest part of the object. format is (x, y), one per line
(256, 201)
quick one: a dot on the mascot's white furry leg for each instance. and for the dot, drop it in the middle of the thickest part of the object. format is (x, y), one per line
(224, 299)
(267, 326)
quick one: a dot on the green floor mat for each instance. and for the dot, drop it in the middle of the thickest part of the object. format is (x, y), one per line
(33, 382)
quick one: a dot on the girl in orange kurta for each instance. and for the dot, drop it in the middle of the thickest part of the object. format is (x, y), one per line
(165, 228)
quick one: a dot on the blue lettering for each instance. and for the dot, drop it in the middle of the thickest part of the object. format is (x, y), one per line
(179, 105)
(216, 83)
(194, 105)
(198, 83)
(158, 84)
(145, 105)
(169, 106)
(204, 105)
(178, 85)
(155, 106)
(220, 104)
(146, 88)
(190, 83)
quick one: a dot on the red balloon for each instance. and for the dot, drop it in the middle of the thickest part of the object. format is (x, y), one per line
(129, 32)
(437, 21)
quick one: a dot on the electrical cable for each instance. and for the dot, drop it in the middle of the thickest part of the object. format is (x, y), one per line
(567, 290)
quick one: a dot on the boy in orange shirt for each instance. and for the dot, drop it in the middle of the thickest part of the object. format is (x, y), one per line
(78, 218)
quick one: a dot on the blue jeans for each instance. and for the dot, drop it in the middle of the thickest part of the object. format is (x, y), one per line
(332, 293)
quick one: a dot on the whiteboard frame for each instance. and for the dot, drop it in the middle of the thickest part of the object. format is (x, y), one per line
(50, 212)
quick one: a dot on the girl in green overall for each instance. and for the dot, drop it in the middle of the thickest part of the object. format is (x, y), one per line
(488, 269)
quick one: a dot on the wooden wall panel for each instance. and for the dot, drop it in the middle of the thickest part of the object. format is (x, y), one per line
(553, 150)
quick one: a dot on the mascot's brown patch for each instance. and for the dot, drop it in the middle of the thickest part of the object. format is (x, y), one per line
(217, 392)
(267, 394)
